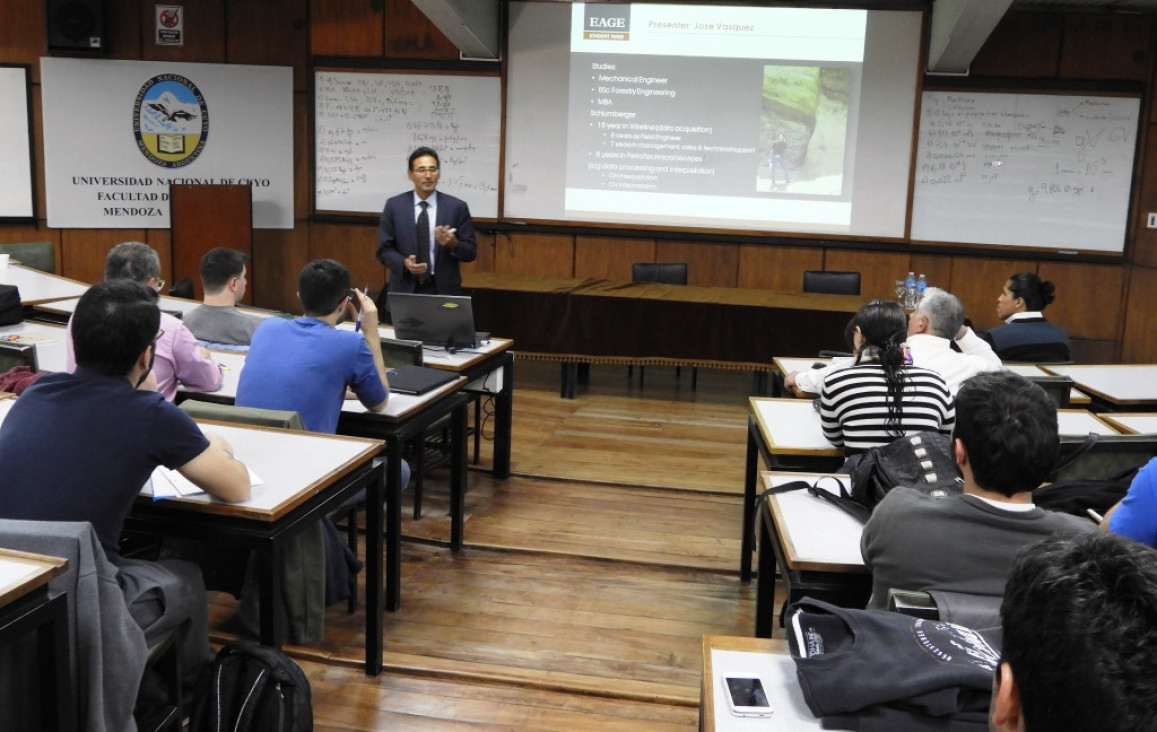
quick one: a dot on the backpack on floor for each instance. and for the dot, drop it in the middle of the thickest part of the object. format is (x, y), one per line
(252, 688)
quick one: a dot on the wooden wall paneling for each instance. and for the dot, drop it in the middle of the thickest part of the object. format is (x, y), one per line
(484, 262)
(878, 270)
(1088, 351)
(353, 246)
(548, 255)
(1106, 46)
(1144, 248)
(978, 282)
(776, 268)
(1138, 345)
(278, 256)
(303, 158)
(204, 34)
(83, 251)
(23, 35)
(346, 28)
(410, 34)
(161, 240)
(610, 258)
(38, 146)
(1089, 297)
(1023, 45)
(936, 267)
(123, 19)
(269, 32)
(709, 264)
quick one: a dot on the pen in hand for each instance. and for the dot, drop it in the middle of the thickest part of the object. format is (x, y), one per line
(358, 322)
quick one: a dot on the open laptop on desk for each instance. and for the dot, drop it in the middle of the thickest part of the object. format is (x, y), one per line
(435, 320)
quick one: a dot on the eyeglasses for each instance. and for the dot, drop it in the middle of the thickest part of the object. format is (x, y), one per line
(425, 171)
(159, 286)
(159, 336)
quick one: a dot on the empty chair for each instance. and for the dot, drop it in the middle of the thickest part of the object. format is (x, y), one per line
(667, 273)
(831, 282)
(1059, 388)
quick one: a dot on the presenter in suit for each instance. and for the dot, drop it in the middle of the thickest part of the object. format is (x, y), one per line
(424, 234)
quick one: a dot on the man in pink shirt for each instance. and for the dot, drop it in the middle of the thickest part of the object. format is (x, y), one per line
(180, 360)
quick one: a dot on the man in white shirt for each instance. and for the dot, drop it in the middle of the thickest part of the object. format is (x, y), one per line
(937, 321)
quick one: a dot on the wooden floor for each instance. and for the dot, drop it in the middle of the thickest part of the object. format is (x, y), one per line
(587, 580)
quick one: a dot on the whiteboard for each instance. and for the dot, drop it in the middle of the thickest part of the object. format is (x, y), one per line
(1025, 170)
(16, 180)
(367, 123)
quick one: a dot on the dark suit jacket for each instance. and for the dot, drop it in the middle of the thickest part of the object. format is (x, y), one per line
(397, 239)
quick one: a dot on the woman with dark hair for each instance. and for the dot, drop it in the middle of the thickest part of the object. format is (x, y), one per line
(1026, 335)
(882, 397)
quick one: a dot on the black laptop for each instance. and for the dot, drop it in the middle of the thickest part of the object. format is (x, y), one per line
(435, 320)
(418, 379)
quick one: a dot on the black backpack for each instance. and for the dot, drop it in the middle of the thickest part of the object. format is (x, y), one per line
(250, 687)
(924, 461)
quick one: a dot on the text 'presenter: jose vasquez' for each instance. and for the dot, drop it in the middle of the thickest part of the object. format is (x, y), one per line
(424, 234)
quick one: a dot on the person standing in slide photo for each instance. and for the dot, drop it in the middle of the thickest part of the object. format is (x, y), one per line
(424, 234)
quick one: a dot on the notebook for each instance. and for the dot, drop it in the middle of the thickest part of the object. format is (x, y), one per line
(418, 379)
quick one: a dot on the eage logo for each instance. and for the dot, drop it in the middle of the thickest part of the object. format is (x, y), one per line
(607, 22)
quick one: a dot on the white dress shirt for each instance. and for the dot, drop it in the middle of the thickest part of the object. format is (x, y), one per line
(934, 352)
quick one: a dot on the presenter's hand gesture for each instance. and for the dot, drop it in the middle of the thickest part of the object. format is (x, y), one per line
(446, 236)
(413, 267)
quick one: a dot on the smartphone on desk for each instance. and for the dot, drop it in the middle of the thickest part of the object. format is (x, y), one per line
(746, 696)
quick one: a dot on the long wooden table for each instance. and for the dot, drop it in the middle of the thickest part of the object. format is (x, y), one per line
(573, 321)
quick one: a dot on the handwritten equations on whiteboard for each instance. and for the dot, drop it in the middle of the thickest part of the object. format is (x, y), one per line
(1033, 170)
(366, 125)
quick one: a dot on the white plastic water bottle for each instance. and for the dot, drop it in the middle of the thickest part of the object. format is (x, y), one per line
(921, 286)
(910, 291)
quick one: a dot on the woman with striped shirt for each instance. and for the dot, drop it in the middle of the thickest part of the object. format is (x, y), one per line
(881, 397)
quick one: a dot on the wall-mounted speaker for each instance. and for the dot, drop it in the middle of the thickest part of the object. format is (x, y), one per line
(75, 25)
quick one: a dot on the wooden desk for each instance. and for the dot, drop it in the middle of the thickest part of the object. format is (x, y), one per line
(26, 607)
(786, 435)
(1132, 423)
(405, 417)
(1114, 386)
(489, 369)
(325, 471)
(771, 661)
(62, 310)
(38, 287)
(51, 342)
(784, 366)
(572, 321)
(815, 545)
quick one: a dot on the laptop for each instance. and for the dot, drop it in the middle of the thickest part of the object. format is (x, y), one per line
(435, 320)
(418, 379)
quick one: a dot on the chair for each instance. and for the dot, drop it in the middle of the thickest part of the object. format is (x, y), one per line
(1059, 388)
(17, 354)
(305, 615)
(831, 282)
(39, 255)
(667, 273)
(182, 288)
(962, 608)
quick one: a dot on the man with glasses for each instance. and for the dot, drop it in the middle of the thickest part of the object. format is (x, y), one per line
(180, 360)
(424, 234)
(79, 446)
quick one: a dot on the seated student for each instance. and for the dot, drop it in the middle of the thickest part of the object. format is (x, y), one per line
(1006, 444)
(1079, 651)
(933, 326)
(810, 380)
(1135, 515)
(219, 320)
(79, 446)
(881, 397)
(1026, 335)
(306, 365)
(180, 361)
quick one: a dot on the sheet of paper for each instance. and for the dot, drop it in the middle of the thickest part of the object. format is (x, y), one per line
(166, 483)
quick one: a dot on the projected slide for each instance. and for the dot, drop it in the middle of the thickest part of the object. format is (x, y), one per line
(699, 103)
(711, 116)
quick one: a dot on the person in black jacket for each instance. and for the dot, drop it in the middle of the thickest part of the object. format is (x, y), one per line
(1026, 335)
